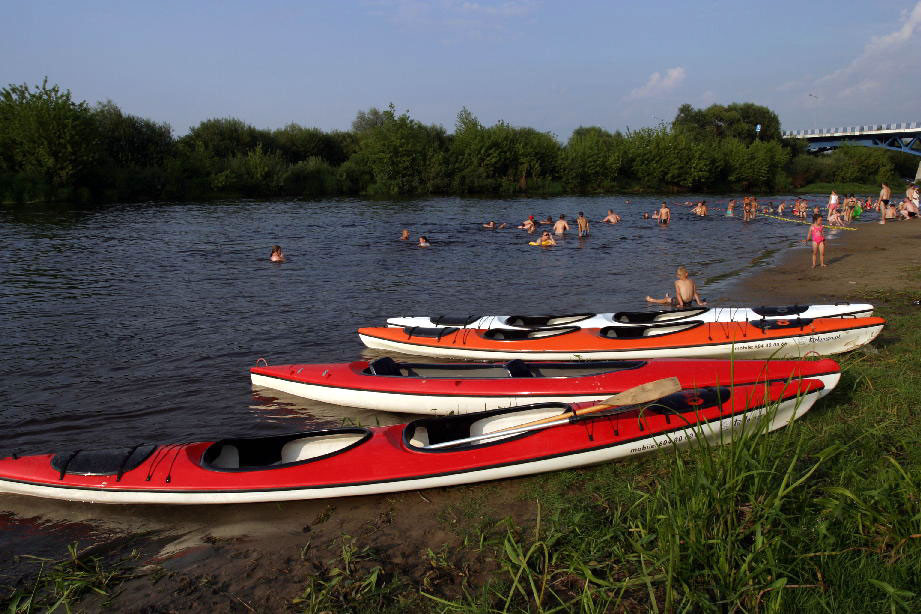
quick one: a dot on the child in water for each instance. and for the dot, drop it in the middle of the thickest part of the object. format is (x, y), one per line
(685, 292)
(423, 242)
(816, 234)
(277, 256)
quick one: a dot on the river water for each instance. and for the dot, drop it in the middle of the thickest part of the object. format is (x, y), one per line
(129, 323)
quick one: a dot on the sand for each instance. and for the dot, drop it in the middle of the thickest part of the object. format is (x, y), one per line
(874, 258)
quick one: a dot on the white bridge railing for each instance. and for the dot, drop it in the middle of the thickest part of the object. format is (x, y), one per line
(854, 130)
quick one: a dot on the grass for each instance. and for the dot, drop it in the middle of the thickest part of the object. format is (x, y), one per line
(822, 516)
(64, 583)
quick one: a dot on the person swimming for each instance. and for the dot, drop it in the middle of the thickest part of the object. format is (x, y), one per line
(277, 256)
(545, 239)
(423, 242)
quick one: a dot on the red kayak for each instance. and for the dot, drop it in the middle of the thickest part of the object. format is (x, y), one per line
(429, 452)
(462, 387)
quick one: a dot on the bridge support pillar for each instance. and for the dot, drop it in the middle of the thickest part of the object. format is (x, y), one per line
(918, 174)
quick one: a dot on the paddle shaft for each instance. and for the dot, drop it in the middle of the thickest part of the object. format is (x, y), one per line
(644, 393)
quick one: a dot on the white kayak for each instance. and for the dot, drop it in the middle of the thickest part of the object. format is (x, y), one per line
(632, 318)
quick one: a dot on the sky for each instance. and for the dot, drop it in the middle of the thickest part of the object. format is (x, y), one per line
(552, 66)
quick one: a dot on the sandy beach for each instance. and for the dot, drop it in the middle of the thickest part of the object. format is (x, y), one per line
(260, 557)
(873, 258)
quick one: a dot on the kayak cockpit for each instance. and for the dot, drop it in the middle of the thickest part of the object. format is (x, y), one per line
(650, 317)
(549, 320)
(420, 434)
(781, 324)
(517, 368)
(779, 312)
(652, 330)
(517, 334)
(260, 453)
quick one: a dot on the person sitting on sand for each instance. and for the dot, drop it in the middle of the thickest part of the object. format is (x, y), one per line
(404, 236)
(685, 292)
(582, 223)
(611, 217)
(545, 239)
(423, 242)
(561, 225)
(277, 256)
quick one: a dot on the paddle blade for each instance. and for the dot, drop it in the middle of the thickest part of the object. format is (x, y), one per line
(644, 393)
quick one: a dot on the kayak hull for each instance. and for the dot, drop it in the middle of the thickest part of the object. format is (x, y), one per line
(397, 458)
(736, 340)
(432, 390)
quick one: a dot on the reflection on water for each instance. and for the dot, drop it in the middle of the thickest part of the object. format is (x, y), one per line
(131, 323)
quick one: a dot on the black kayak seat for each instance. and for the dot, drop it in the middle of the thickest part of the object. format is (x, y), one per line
(774, 312)
(522, 334)
(455, 320)
(636, 317)
(112, 461)
(518, 368)
(636, 332)
(424, 331)
(781, 323)
(384, 366)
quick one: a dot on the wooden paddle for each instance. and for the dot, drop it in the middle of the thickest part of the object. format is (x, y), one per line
(644, 393)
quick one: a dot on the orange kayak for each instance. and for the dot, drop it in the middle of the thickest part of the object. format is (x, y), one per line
(793, 338)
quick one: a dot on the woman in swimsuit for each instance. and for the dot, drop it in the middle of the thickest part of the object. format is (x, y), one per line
(817, 236)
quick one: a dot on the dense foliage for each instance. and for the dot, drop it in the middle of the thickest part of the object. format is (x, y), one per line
(54, 148)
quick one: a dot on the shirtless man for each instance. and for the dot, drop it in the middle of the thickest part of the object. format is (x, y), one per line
(561, 225)
(685, 292)
(611, 218)
(582, 223)
(885, 193)
(665, 214)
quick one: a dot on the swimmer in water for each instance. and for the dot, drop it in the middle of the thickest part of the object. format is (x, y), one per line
(685, 292)
(491, 225)
(547, 220)
(404, 236)
(545, 239)
(611, 217)
(423, 242)
(529, 224)
(277, 256)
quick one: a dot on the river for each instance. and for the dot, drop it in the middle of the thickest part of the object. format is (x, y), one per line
(128, 323)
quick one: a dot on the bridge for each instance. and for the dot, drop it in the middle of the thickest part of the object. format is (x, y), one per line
(904, 137)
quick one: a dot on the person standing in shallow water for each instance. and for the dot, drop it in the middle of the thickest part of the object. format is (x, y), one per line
(561, 225)
(665, 214)
(582, 223)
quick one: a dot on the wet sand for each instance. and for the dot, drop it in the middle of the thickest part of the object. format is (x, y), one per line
(259, 557)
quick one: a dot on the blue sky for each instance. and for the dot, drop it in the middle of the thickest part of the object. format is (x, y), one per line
(549, 65)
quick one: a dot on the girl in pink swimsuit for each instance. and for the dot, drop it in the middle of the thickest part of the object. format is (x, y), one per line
(817, 236)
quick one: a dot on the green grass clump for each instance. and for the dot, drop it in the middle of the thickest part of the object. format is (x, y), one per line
(64, 583)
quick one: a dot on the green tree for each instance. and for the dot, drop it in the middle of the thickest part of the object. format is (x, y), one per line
(46, 138)
(737, 120)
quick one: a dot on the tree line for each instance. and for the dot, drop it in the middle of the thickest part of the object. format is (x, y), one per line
(55, 148)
